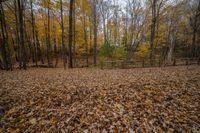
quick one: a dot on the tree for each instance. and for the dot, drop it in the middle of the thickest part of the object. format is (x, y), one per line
(19, 58)
(107, 49)
(105, 11)
(3, 37)
(95, 30)
(33, 34)
(172, 33)
(70, 33)
(195, 22)
(74, 33)
(21, 29)
(153, 30)
(138, 19)
(85, 37)
(62, 28)
(85, 12)
(48, 35)
(34, 30)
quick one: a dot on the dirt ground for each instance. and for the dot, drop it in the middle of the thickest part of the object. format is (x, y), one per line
(93, 100)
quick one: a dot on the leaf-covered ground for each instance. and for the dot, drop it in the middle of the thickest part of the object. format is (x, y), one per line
(94, 100)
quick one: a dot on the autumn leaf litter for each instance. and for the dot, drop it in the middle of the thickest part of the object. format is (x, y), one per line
(94, 100)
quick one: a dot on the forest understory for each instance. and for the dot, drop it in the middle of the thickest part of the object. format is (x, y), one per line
(94, 100)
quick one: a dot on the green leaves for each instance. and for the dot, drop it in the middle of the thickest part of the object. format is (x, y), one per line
(107, 49)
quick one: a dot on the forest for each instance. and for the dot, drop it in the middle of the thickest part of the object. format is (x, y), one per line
(82, 33)
(99, 66)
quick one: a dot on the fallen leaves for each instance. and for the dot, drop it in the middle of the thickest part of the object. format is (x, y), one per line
(92, 100)
(33, 121)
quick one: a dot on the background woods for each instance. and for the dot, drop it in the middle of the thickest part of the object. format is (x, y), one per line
(52, 33)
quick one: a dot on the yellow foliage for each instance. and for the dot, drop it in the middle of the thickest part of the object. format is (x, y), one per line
(143, 51)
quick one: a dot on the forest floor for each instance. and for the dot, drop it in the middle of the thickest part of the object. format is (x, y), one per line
(94, 100)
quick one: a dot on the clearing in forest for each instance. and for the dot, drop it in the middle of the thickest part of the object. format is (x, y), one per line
(94, 100)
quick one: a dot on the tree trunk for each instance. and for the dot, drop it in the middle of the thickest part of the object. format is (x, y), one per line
(195, 27)
(95, 31)
(90, 38)
(74, 31)
(28, 42)
(48, 37)
(33, 34)
(4, 39)
(55, 47)
(21, 27)
(193, 48)
(62, 38)
(17, 36)
(39, 54)
(7, 48)
(70, 33)
(104, 29)
(172, 37)
(85, 38)
(153, 28)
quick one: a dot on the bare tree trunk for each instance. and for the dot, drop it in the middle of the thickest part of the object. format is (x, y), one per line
(70, 33)
(49, 39)
(9, 58)
(116, 31)
(33, 34)
(153, 28)
(56, 54)
(7, 48)
(158, 16)
(132, 30)
(95, 30)
(90, 38)
(46, 38)
(193, 51)
(55, 47)
(21, 27)
(74, 31)
(39, 54)
(62, 39)
(172, 37)
(17, 36)
(28, 42)
(193, 48)
(103, 11)
(85, 38)
(4, 39)
(104, 29)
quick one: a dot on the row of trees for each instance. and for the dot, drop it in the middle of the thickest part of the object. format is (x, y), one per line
(47, 31)
(153, 28)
